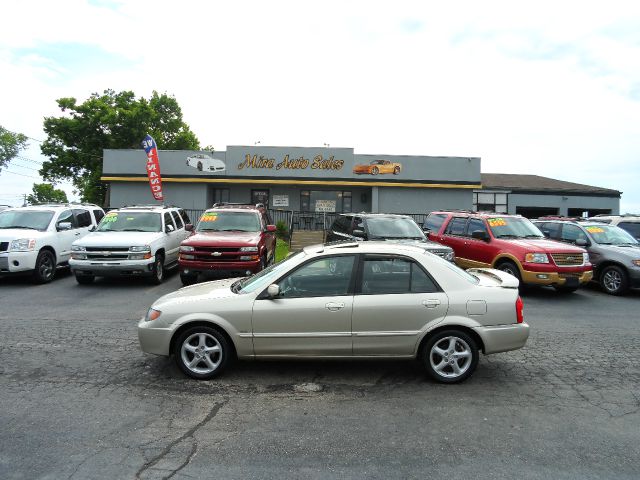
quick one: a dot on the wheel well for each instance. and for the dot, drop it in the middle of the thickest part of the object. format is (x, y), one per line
(606, 264)
(53, 252)
(502, 260)
(160, 251)
(186, 326)
(467, 330)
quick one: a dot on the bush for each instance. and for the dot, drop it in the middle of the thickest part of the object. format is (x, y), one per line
(282, 231)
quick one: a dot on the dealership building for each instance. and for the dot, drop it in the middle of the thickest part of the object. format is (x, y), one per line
(333, 180)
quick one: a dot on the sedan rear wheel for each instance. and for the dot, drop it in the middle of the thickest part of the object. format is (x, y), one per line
(450, 356)
(202, 352)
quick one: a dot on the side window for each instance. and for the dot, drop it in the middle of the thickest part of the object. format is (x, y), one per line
(550, 229)
(98, 214)
(474, 225)
(184, 216)
(67, 216)
(632, 227)
(177, 219)
(83, 218)
(168, 221)
(571, 233)
(386, 275)
(456, 226)
(358, 224)
(319, 278)
(434, 222)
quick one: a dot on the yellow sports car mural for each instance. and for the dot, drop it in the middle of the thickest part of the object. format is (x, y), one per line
(378, 166)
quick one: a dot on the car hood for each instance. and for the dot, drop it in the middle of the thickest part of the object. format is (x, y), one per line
(628, 250)
(222, 239)
(118, 239)
(201, 291)
(544, 245)
(6, 235)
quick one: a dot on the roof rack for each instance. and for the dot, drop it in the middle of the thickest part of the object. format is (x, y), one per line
(148, 206)
(231, 204)
(63, 204)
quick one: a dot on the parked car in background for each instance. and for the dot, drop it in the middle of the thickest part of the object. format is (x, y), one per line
(614, 253)
(230, 238)
(630, 223)
(139, 240)
(383, 226)
(38, 238)
(378, 166)
(205, 163)
(510, 243)
(357, 300)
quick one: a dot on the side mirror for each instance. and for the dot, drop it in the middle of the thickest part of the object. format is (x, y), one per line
(64, 226)
(169, 229)
(426, 229)
(358, 233)
(273, 290)
(189, 227)
(582, 242)
(271, 228)
(480, 235)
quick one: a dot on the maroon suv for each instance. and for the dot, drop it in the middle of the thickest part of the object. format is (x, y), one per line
(230, 238)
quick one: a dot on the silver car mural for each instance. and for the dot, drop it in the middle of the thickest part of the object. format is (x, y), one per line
(205, 163)
(344, 301)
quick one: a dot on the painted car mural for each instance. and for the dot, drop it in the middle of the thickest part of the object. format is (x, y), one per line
(378, 166)
(205, 163)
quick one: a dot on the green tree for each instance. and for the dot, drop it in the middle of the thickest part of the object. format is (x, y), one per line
(46, 193)
(75, 140)
(10, 145)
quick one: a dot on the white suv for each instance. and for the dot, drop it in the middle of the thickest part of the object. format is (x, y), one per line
(628, 222)
(132, 241)
(38, 238)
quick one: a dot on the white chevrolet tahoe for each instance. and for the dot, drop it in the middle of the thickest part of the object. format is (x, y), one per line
(37, 239)
(132, 241)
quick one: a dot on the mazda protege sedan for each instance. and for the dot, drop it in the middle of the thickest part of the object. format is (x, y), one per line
(343, 301)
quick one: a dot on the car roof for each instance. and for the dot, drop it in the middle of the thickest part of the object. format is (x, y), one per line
(374, 215)
(54, 206)
(478, 214)
(363, 247)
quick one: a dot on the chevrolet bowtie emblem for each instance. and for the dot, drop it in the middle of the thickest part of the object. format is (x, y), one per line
(215, 254)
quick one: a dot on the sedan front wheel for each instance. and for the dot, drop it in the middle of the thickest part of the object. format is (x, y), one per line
(450, 356)
(202, 352)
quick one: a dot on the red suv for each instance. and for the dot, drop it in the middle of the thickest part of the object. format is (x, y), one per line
(510, 243)
(230, 238)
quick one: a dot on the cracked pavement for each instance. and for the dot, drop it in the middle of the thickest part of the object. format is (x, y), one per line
(79, 400)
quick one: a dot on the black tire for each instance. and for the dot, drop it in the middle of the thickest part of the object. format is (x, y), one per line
(374, 171)
(200, 166)
(263, 262)
(511, 268)
(614, 280)
(444, 351)
(188, 278)
(84, 279)
(45, 267)
(157, 273)
(190, 344)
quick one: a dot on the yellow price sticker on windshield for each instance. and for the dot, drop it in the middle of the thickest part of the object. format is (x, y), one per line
(496, 222)
(112, 214)
(209, 217)
(594, 229)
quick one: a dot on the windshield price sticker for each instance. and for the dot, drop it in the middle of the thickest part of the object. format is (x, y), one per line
(594, 229)
(110, 217)
(496, 222)
(209, 217)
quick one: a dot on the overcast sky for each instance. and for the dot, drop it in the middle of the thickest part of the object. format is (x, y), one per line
(545, 88)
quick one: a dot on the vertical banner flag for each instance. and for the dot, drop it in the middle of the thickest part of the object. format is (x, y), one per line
(153, 167)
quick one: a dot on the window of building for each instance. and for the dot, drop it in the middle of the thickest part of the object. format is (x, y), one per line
(490, 202)
(219, 195)
(325, 200)
(260, 196)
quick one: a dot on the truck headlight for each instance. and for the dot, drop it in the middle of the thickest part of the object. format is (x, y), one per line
(22, 245)
(449, 256)
(249, 249)
(140, 248)
(585, 258)
(78, 248)
(186, 248)
(536, 258)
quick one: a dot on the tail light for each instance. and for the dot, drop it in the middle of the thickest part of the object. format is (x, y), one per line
(520, 310)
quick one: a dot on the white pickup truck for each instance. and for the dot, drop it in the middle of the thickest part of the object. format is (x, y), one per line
(132, 241)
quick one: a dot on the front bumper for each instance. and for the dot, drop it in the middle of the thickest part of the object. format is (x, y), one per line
(634, 277)
(154, 340)
(111, 268)
(194, 266)
(502, 338)
(14, 262)
(569, 278)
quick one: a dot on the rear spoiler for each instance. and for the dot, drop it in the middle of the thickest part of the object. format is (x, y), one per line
(504, 279)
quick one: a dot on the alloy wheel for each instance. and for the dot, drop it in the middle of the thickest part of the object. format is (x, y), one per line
(450, 357)
(201, 353)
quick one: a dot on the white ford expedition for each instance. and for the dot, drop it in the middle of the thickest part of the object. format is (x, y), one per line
(38, 238)
(132, 241)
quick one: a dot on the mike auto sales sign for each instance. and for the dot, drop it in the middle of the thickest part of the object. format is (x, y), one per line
(153, 167)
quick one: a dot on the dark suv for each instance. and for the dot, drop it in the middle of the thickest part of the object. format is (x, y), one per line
(230, 238)
(383, 226)
(614, 253)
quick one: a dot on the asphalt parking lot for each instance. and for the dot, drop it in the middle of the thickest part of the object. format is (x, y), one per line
(79, 400)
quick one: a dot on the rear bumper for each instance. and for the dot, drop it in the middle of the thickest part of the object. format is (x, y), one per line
(502, 338)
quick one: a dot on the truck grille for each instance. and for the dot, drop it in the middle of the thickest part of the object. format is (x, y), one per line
(567, 259)
(222, 254)
(107, 253)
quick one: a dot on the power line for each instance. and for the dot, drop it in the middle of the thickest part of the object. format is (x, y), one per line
(14, 164)
(30, 138)
(21, 174)
(22, 157)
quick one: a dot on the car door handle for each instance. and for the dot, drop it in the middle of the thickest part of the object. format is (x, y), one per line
(334, 306)
(431, 303)
(77, 234)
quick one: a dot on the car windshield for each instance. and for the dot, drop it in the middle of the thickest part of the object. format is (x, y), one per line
(393, 227)
(221, 221)
(267, 276)
(130, 222)
(29, 219)
(513, 227)
(610, 235)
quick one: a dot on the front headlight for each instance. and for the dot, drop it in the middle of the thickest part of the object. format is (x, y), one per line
(249, 249)
(186, 248)
(449, 256)
(152, 314)
(140, 248)
(636, 262)
(536, 258)
(585, 257)
(78, 248)
(22, 245)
